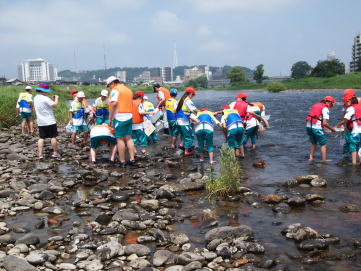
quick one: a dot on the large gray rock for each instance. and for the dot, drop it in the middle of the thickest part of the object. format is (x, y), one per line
(139, 250)
(229, 232)
(6, 239)
(163, 257)
(188, 257)
(179, 238)
(36, 257)
(175, 268)
(299, 232)
(248, 246)
(13, 263)
(110, 250)
(37, 188)
(126, 214)
(183, 187)
(28, 239)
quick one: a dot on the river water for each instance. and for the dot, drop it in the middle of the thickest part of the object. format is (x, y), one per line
(284, 148)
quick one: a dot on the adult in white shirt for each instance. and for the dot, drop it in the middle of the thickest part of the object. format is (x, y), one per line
(45, 118)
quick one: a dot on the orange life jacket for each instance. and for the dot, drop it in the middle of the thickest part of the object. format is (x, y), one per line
(137, 117)
(165, 92)
(316, 113)
(260, 105)
(125, 99)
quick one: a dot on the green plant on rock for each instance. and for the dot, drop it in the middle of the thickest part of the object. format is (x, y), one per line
(276, 87)
(228, 181)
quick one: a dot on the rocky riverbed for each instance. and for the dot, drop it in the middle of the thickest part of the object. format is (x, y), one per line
(65, 214)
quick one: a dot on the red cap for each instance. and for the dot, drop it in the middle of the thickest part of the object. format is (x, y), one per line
(140, 93)
(349, 92)
(226, 107)
(73, 91)
(190, 90)
(329, 99)
(347, 97)
(242, 95)
(204, 109)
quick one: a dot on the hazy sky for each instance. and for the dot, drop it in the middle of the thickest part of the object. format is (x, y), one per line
(275, 33)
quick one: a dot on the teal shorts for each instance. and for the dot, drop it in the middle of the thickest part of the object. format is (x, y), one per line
(252, 134)
(97, 140)
(355, 142)
(346, 146)
(139, 138)
(80, 128)
(235, 137)
(101, 120)
(187, 135)
(122, 128)
(24, 115)
(317, 136)
(173, 128)
(205, 136)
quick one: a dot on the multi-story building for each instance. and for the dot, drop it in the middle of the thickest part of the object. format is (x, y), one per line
(122, 75)
(356, 53)
(196, 72)
(36, 70)
(144, 77)
(167, 74)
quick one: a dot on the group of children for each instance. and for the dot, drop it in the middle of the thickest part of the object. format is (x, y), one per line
(318, 120)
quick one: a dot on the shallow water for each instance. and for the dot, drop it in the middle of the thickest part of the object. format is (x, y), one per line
(284, 148)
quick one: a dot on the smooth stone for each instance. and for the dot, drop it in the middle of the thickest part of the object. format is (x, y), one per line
(193, 266)
(195, 176)
(162, 257)
(188, 257)
(163, 194)
(229, 232)
(66, 266)
(313, 244)
(349, 208)
(296, 201)
(138, 249)
(119, 196)
(248, 246)
(46, 195)
(37, 188)
(103, 219)
(318, 182)
(13, 263)
(179, 238)
(6, 239)
(94, 265)
(282, 208)
(175, 268)
(126, 214)
(110, 250)
(36, 257)
(139, 263)
(28, 239)
(152, 204)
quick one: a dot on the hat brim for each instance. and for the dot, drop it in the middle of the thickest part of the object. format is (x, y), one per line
(44, 90)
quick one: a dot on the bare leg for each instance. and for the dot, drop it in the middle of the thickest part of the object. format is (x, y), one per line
(73, 138)
(130, 146)
(121, 149)
(323, 152)
(85, 138)
(241, 151)
(174, 142)
(354, 158)
(236, 152)
(312, 152)
(113, 152)
(54, 145)
(211, 155)
(23, 123)
(31, 126)
(92, 154)
(201, 155)
(40, 147)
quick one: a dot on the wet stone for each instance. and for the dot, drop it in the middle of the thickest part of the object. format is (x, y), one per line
(229, 232)
(6, 239)
(126, 214)
(103, 219)
(313, 244)
(348, 208)
(28, 239)
(46, 195)
(139, 250)
(163, 257)
(296, 201)
(282, 208)
(13, 263)
(36, 257)
(120, 196)
(188, 257)
(179, 238)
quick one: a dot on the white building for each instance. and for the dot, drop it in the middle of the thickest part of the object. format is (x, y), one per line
(356, 53)
(331, 56)
(166, 73)
(36, 70)
(122, 75)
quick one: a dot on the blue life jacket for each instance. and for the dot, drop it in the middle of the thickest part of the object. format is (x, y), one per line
(184, 112)
(232, 116)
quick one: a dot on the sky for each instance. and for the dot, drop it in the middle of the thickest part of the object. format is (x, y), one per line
(75, 34)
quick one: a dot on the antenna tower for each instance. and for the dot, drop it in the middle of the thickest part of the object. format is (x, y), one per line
(175, 57)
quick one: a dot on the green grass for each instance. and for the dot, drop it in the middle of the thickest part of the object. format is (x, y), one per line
(228, 181)
(276, 87)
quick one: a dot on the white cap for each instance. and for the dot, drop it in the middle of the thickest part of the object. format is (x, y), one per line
(81, 94)
(28, 88)
(145, 98)
(104, 93)
(110, 79)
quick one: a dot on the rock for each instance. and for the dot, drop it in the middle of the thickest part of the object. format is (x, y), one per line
(299, 232)
(139, 250)
(6, 239)
(16, 157)
(103, 219)
(188, 257)
(6, 193)
(229, 232)
(13, 263)
(224, 251)
(296, 201)
(195, 176)
(139, 263)
(66, 266)
(313, 244)
(151, 204)
(37, 188)
(28, 239)
(126, 214)
(163, 257)
(313, 197)
(36, 257)
(348, 208)
(175, 268)
(212, 245)
(318, 182)
(120, 196)
(179, 238)
(53, 210)
(46, 195)
(259, 164)
(282, 208)
(272, 199)
(248, 246)
(184, 187)
(193, 266)
(313, 180)
(110, 250)
(94, 265)
(163, 194)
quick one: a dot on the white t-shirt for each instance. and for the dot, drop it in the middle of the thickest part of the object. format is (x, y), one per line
(80, 121)
(100, 131)
(350, 115)
(253, 122)
(119, 116)
(324, 116)
(206, 126)
(189, 105)
(24, 109)
(44, 110)
(139, 126)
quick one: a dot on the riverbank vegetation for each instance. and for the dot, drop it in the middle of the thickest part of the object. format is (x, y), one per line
(228, 181)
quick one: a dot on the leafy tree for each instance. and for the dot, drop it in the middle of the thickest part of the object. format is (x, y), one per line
(236, 74)
(258, 73)
(358, 65)
(198, 82)
(300, 69)
(328, 68)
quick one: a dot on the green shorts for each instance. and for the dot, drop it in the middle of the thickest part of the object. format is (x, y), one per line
(235, 137)
(206, 136)
(173, 128)
(101, 120)
(355, 142)
(122, 128)
(24, 115)
(80, 128)
(317, 136)
(346, 146)
(187, 135)
(97, 140)
(139, 138)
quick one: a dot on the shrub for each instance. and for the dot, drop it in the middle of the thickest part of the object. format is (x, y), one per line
(276, 87)
(228, 181)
